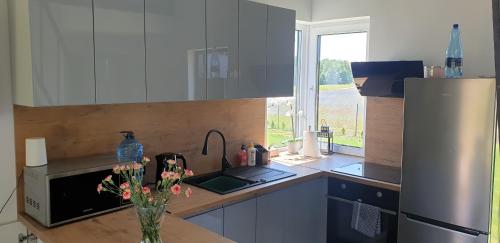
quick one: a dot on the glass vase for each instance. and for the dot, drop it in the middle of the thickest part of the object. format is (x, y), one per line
(151, 219)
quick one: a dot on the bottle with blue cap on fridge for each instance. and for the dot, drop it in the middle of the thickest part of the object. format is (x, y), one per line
(454, 55)
(129, 150)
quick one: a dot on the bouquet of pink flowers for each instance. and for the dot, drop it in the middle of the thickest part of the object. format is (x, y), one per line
(141, 196)
(150, 206)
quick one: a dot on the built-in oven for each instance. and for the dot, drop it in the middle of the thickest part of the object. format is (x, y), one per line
(341, 197)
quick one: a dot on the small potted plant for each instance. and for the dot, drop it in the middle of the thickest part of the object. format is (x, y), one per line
(295, 143)
(150, 205)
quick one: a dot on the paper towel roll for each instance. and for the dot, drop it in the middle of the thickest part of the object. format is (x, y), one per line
(36, 154)
(311, 147)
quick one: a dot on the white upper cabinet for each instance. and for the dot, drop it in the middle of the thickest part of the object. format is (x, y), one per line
(280, 52)
(252, 50)
(175, 50)
(52, 48)
(119, 51)
(222, 49)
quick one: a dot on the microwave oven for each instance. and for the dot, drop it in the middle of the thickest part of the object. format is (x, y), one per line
(65, 191)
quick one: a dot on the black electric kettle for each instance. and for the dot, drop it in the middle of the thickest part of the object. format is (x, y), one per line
(161, 162)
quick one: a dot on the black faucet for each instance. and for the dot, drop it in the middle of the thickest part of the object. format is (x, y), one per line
(225, 163)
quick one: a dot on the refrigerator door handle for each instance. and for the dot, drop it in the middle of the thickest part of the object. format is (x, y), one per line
(443, 226)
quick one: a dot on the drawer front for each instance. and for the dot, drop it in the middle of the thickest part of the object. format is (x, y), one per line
(378, 197)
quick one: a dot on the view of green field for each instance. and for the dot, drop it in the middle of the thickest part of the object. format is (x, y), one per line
(339, 103)
(279, 126)
(277, 135)
(342, 108)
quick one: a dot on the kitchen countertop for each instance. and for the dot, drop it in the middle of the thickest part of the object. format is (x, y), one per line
(124, 224)
(121, 226)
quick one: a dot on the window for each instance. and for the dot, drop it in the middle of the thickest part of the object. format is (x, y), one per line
(339, 104)
(279, 121)
(331, 95)
(324, 91)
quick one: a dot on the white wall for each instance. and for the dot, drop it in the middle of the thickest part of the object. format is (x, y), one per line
(9, 227)
(303, 7)
(7, 159)
(419, 29)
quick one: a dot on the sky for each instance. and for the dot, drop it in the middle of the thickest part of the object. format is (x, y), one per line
(350, 47)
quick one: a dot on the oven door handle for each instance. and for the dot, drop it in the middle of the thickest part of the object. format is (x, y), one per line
(352, 202)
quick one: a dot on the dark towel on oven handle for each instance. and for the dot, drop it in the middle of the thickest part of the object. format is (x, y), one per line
(366, 219)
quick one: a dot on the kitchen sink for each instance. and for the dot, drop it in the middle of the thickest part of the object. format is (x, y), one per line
(235, 179)
(219, 183)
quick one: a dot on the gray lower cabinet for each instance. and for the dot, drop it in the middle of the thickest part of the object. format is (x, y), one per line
(307, 212)
(271, 216)
(175, 50)
(119, 51)
(234, 221)
(296, 214)
(211, 220)
(240, 221)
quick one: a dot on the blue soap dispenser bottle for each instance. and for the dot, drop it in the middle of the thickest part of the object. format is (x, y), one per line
(129, 150)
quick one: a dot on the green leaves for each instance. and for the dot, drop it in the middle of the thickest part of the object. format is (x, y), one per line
(334, 72)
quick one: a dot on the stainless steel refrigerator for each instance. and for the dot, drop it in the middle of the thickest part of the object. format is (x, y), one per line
(448, 160)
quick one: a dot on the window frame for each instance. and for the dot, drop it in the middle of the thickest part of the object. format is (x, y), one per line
(317, 29)
(301, 99)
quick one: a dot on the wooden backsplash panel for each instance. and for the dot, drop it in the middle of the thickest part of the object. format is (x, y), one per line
(384, 131)
(79, 131)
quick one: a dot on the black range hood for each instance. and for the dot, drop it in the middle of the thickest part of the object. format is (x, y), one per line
(385, 79)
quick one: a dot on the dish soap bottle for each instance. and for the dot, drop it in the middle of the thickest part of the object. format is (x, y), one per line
(243, 156)
(129, 150)
(252, 155)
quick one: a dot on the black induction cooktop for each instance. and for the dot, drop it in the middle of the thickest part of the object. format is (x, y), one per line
(372, 171)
